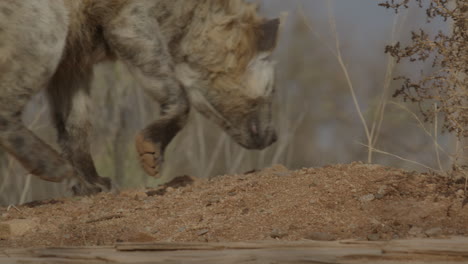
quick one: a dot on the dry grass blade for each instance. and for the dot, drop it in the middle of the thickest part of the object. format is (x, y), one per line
(339, 56)
(423, 127)
(403, 159)
(372, 134)
(436, 136)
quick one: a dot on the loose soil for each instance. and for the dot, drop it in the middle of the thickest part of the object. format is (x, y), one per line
(354, 201)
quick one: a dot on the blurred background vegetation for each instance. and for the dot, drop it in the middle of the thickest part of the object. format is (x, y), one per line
(333, 105)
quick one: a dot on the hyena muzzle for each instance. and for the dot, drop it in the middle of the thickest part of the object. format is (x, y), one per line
(209, 54)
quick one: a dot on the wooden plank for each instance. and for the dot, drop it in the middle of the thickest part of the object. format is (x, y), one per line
(170, 246)
(454, 250)
(455, 246)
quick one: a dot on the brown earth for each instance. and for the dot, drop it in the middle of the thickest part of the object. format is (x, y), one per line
(335, 202)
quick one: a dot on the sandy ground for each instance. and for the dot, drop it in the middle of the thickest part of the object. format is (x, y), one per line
(355, 201)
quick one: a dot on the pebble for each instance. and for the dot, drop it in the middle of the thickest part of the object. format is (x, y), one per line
(415, 231)
(203, 232)
(276, 233)
(212, 201)
(436, 231)
(382, 190)
(379, 196)
(367, 198)
(373, 237)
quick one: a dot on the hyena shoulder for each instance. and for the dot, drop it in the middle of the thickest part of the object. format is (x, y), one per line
(228, 27)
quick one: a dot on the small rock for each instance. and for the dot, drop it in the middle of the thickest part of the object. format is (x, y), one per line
(379, 196)
(212, 201)
(16, 227)
(415, 231)
(320, 236)
(367, 198)
(313, 201)
(433, 232)
(277, 234)
(460, 194)
(373, 237)
(203, 232)
(382, 190)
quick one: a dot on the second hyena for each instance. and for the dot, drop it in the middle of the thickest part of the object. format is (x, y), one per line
(213, 55)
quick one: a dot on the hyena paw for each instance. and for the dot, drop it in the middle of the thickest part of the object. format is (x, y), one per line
(84, 188)
(150, 155)
(81, 189)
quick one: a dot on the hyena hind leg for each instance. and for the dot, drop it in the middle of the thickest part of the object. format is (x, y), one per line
(147, 56)
(69, 99)
(30, 50)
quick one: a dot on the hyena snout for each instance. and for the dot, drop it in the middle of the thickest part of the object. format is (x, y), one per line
(258, 135)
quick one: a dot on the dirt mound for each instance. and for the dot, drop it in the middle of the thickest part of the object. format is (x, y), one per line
(335, 202)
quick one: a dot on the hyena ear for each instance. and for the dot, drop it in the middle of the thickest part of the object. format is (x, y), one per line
(268, 34)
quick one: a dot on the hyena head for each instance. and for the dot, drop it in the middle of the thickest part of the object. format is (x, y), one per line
(228, 73)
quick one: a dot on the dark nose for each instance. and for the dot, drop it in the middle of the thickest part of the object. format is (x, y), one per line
(263, 139)
(255, 134)
(274, 137)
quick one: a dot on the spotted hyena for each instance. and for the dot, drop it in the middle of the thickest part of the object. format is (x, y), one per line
(213, 55)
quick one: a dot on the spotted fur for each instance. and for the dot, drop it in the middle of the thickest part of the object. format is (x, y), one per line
(209, 54)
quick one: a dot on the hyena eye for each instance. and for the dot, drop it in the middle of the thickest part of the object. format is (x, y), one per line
(253, 104)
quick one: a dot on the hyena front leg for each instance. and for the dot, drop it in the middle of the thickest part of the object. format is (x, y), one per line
(135, 37)
(68, 94)
(32, 38)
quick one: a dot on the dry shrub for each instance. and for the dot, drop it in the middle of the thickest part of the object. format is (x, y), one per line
(445, 89)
